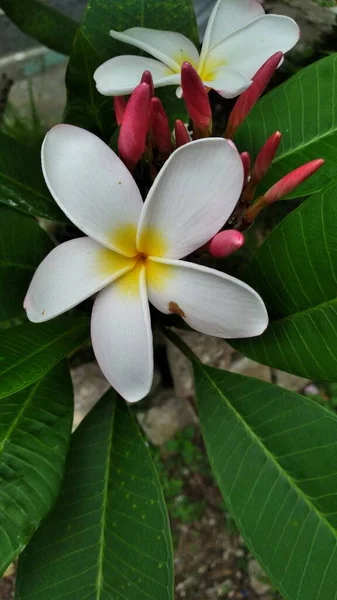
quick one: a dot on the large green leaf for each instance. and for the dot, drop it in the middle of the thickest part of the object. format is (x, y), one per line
(108, 537)
(35, 428)
(21, 181)
(23, 245)
(42, 22)
(304, 109)
(93, 45)
(28, 351)
(274, 454)
(295, 272)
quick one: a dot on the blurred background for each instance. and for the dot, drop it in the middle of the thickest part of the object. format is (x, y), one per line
(211, 559)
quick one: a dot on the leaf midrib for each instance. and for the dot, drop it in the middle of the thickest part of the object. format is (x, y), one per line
(19, 415)
(266, 451)
(305, 311)
(100, 578)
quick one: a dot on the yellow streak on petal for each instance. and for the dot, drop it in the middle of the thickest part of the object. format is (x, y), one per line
(152, 242)
(158, 274)
(181, 56)
(124, 238)
(128, 285)
(110, 262)
(209, 69)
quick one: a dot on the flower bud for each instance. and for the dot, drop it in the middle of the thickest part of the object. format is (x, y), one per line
(147, 78)
(248, 99)
(181, 133)
(288, 183)
(119, 108)
(196, 99)
(246, 162)
(135, 125)
(265, 157)
(160, 129)
(225, 243)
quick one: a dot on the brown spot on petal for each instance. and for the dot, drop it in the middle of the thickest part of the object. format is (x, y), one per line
(175, 309)
(43, 312)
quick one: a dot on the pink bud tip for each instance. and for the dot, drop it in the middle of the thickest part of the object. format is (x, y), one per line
(147, 78)
(288, 183)
(119, 108)
(135, 125)
(181, 133)
(225, 243)
(160, 129)
(248, 99)
(196, 97)
(246, 162)
(266, 156)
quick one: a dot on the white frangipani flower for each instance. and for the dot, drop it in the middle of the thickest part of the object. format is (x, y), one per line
(133, 250)
(239, 38)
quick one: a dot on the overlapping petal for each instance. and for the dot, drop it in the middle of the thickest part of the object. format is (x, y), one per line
(209, 301)
(227, 82)
(69, 274)
(191, 198)
(122, 337)
(121, 74)
(92, 187)
(169, 47)
(248, 48)
(226, 17)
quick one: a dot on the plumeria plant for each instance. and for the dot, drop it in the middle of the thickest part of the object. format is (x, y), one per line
(118, 231)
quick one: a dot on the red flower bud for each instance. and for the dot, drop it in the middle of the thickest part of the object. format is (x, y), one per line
(292, 180)
(147, 78)
(160, 129)
(196, 98)
(135, 125)
(265, 157)
(246, 161)
(119, 108)
(248, 99)
(225, 243)
(181, 134)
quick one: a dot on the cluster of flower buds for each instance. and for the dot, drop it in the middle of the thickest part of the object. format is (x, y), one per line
(144, 128)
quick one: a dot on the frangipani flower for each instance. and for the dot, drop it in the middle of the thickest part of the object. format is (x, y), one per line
(133, 250)
(239, 38)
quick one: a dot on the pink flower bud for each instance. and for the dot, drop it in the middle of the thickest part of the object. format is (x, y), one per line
(265, 157)
(181, 134)
(160, 129)
(135, 125)
(225, 243)
(196, 98)
(147, 78)
(246, 161)
(248, 99)
(291, 181)
(119, 108)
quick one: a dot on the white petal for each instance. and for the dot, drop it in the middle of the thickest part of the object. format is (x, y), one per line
(209, 301)
(191, 198)
(247, 49)
(92, 186)
(122, 337)
(169, 47)
(227, 16)
(120, 75)
(228, 82)
(69, 274)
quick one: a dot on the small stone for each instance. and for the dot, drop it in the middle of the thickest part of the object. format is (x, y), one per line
(258, 579)
(89, 385)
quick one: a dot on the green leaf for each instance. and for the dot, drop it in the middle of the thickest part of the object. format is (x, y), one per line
(23, 245)
(108, 536)
(304, 110)
(21, 181)
(42, 22)
(35, 429)
(93, 46)
(274, 455)
(295, 272)
(28, 351)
